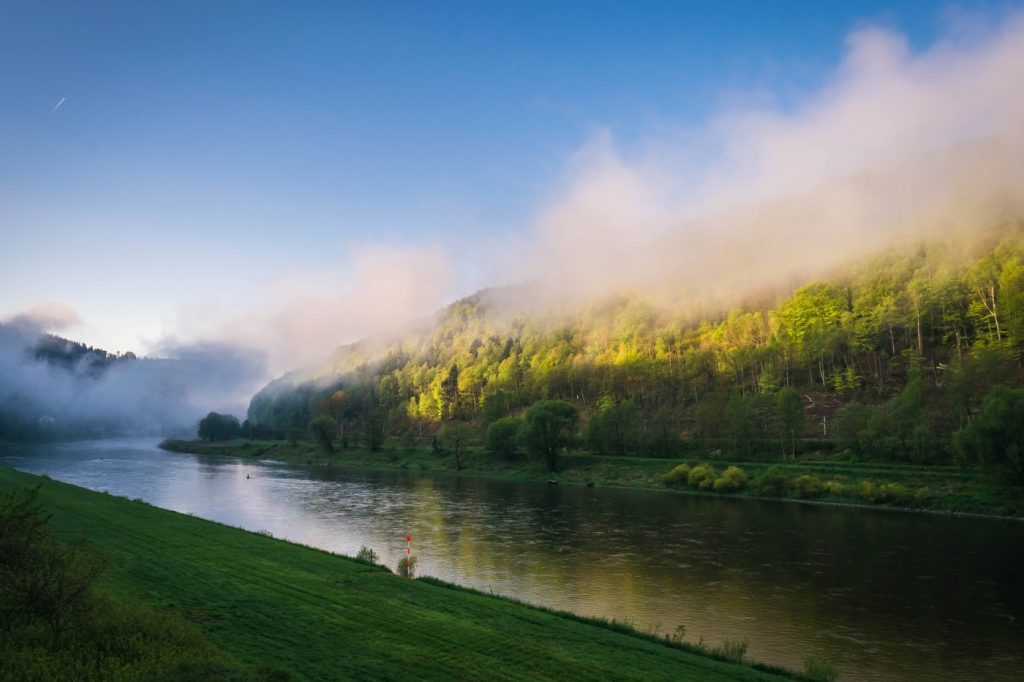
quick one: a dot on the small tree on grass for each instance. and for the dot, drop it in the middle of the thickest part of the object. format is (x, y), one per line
(322, 429)
(367, 556)
(550, 426)
(60, 591)
(42, 579)
(454, 435)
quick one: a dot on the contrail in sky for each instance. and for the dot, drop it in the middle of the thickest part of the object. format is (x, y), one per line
(58, 105)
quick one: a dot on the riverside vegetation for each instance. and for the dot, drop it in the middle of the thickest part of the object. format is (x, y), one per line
(894, 380)
(162, 595)
(906, 486)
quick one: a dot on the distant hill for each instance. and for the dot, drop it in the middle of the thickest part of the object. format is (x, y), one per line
(73, 356)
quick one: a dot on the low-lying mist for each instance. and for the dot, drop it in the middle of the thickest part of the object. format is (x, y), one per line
(50, 387)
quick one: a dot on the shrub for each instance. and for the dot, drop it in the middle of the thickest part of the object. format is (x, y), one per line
(808, 486)
(731, 480)
(893, 493)
(772, 483)
(923, 495)
(734, 649)
(367, 556)
(868, 491)
(680, 474)
(407, 567)
(43, 580)
(820, 668)
(886, 493)
(834, 487)
(702, 476)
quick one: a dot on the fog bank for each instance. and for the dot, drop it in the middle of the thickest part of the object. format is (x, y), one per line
(50, 387)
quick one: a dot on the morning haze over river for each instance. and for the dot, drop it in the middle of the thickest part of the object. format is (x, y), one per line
(887, 595)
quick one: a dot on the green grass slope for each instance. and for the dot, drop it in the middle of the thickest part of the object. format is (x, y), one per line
(323, 617)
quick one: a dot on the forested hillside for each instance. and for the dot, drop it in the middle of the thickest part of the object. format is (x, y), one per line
(884, 359)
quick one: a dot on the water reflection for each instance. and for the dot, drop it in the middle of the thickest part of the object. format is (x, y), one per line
(888, 596)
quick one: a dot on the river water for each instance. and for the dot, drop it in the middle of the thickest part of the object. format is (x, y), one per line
(886, 595)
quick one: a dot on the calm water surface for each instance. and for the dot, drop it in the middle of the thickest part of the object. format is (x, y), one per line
(888, 596)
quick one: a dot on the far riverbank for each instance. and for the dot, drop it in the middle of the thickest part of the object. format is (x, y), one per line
(946, 490)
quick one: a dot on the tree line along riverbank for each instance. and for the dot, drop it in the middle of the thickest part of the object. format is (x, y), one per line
(805, 479)
(178, 597)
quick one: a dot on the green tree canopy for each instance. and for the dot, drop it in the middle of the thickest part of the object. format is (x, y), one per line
(614, 428)
(550, 426)
(454, 435)
(322, 429)
(502, 435)
(789, 410)
(216, 426)
(996, 436)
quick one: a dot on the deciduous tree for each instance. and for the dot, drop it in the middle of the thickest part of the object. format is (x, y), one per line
(550, 426)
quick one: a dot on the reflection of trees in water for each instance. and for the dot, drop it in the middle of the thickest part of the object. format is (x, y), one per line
(792, 578)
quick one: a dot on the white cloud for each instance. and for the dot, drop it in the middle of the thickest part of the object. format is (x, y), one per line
(303, 315)
(894, 142)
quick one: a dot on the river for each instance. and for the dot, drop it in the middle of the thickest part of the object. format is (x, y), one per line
(886, 595)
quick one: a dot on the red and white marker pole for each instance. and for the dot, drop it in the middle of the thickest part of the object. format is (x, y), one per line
(408, 555)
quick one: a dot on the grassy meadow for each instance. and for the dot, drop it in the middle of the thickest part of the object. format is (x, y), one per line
(300, 613)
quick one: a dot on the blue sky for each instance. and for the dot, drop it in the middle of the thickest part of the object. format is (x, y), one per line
(207, 152)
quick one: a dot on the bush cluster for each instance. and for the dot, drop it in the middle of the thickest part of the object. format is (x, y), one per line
(808, 486)
(772, 482)
(705, 477)
(834, 487)
(885, 493)
(732, 480)
(702, 477)
(679, 475)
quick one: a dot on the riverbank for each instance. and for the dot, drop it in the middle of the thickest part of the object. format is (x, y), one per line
(316, 615)
(948, 490)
